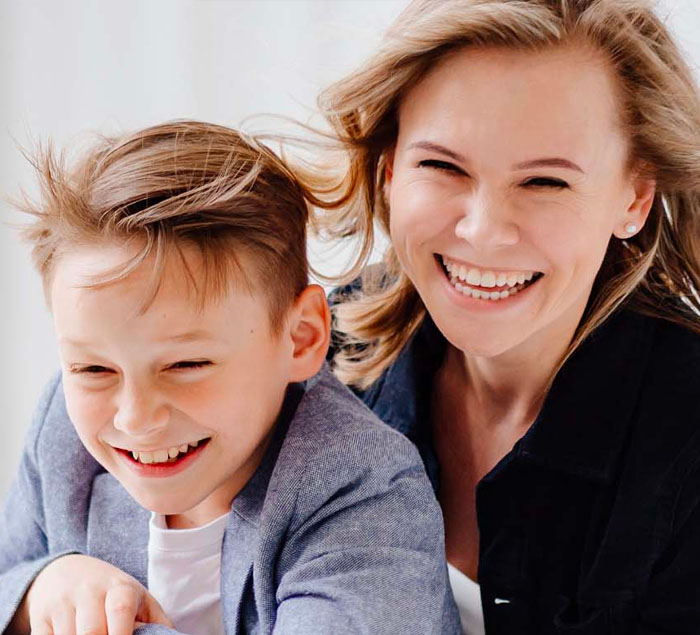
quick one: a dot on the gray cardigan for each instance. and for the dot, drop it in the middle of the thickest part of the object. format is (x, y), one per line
(338, 531)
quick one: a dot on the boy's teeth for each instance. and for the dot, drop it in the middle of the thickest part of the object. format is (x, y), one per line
(163, 456)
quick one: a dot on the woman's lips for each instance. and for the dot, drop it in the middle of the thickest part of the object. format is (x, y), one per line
(483, 284)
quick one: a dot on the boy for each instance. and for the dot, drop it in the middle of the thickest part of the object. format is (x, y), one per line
(197, 468)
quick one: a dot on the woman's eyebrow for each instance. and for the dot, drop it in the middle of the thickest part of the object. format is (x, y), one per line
(549, 162)
(554, 162)
(436, 147)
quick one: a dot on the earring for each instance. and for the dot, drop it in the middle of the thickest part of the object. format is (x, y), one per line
(631, 229)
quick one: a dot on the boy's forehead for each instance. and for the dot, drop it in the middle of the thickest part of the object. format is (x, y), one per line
(180, 289)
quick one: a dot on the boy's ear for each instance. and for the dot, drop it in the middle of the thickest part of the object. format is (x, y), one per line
(310, 331)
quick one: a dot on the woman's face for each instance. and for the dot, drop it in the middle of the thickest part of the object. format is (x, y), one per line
(506, 183)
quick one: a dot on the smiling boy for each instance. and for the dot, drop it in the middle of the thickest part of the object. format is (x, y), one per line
(197, 468)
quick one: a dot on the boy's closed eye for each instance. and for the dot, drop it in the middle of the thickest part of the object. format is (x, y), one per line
(190, 364)
(183, 365)
(89, 369)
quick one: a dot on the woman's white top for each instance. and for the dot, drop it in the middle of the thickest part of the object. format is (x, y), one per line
(468, 598)
(184, 574)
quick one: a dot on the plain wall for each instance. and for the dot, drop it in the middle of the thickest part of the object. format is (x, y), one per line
(72, 66)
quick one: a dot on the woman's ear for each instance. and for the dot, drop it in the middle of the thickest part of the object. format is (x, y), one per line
(388, 171)
(310, 331)
(633, 218)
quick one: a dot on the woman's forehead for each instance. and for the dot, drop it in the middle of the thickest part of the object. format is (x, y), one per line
(499, 99)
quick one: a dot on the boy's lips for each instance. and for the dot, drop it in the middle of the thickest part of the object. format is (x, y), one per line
(163, 455)
(166, 468)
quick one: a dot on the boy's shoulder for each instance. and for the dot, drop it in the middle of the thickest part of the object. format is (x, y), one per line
(331, 418)
(51, 428)
(336, 445)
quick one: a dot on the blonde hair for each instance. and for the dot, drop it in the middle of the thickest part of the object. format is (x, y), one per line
(178, 184)
(657, 272)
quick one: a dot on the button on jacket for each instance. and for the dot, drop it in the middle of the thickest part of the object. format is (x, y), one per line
(591, 523)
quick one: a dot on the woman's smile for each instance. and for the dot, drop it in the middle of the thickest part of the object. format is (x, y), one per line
(493, 285)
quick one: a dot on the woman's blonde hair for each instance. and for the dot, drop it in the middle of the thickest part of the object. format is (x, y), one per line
(657, 272)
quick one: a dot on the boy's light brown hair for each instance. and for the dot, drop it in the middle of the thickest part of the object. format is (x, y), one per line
(175, 185)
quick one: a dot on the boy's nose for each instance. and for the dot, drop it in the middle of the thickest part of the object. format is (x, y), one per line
(140, 413)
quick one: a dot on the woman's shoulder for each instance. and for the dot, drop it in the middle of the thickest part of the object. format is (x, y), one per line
(674, 363)
(667, 420)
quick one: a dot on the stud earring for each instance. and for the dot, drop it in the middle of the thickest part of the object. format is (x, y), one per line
(631, 229)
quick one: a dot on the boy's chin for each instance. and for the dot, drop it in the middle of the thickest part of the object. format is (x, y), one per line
(167, 505)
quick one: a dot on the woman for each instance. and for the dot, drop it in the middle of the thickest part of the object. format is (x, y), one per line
(534, 327)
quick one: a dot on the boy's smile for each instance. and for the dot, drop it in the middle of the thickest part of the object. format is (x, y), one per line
(184, 391)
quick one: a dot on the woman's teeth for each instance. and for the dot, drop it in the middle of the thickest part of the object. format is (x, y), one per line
(170, 455)
(464, 279)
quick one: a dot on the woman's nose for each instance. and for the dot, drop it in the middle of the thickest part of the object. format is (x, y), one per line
(486, 223)
(140, 412)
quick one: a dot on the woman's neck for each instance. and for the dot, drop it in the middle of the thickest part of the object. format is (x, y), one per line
(510, 388)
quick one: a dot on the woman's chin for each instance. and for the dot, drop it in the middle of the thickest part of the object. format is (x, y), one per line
(484, 344)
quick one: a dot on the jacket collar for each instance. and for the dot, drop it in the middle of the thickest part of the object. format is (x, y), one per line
(583, 422)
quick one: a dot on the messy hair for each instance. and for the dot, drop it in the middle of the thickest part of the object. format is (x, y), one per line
(183, 184)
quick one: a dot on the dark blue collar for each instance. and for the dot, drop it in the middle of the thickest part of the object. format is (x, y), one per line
(584, 420)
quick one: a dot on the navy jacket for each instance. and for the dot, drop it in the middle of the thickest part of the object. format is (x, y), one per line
(338, 531)
(591, 524)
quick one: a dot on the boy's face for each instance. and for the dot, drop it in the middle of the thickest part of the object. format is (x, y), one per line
(160, 382)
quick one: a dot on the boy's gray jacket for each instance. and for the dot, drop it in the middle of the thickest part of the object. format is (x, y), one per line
(337, 532)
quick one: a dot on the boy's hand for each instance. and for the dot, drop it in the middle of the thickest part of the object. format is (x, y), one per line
(80, 594)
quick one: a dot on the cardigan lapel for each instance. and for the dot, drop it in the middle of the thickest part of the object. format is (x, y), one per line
(117, 529)
(240, 543)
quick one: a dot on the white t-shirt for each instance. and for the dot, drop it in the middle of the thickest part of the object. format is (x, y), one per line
(184, 574)
(468, 598)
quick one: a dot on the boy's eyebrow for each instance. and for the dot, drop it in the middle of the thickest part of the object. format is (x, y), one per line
(191, 336)
(77, 343)
(197, 335)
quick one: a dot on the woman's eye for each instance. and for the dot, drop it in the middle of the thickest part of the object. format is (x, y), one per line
(436, 164)
(186, 365)
(547, 182)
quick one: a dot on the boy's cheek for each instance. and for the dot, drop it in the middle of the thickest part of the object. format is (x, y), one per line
(88, 412)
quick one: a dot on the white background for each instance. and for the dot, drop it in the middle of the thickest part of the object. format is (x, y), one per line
(71, 66)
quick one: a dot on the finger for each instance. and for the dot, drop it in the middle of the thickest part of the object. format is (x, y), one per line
(121, 604)
(62, 620)
(40, 626)
(151, 611)
(90, 616)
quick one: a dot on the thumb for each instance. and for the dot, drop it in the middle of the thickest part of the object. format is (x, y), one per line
(151, 611)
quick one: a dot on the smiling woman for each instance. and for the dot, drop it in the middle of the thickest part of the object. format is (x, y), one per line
(494, 188)
(535, 324)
